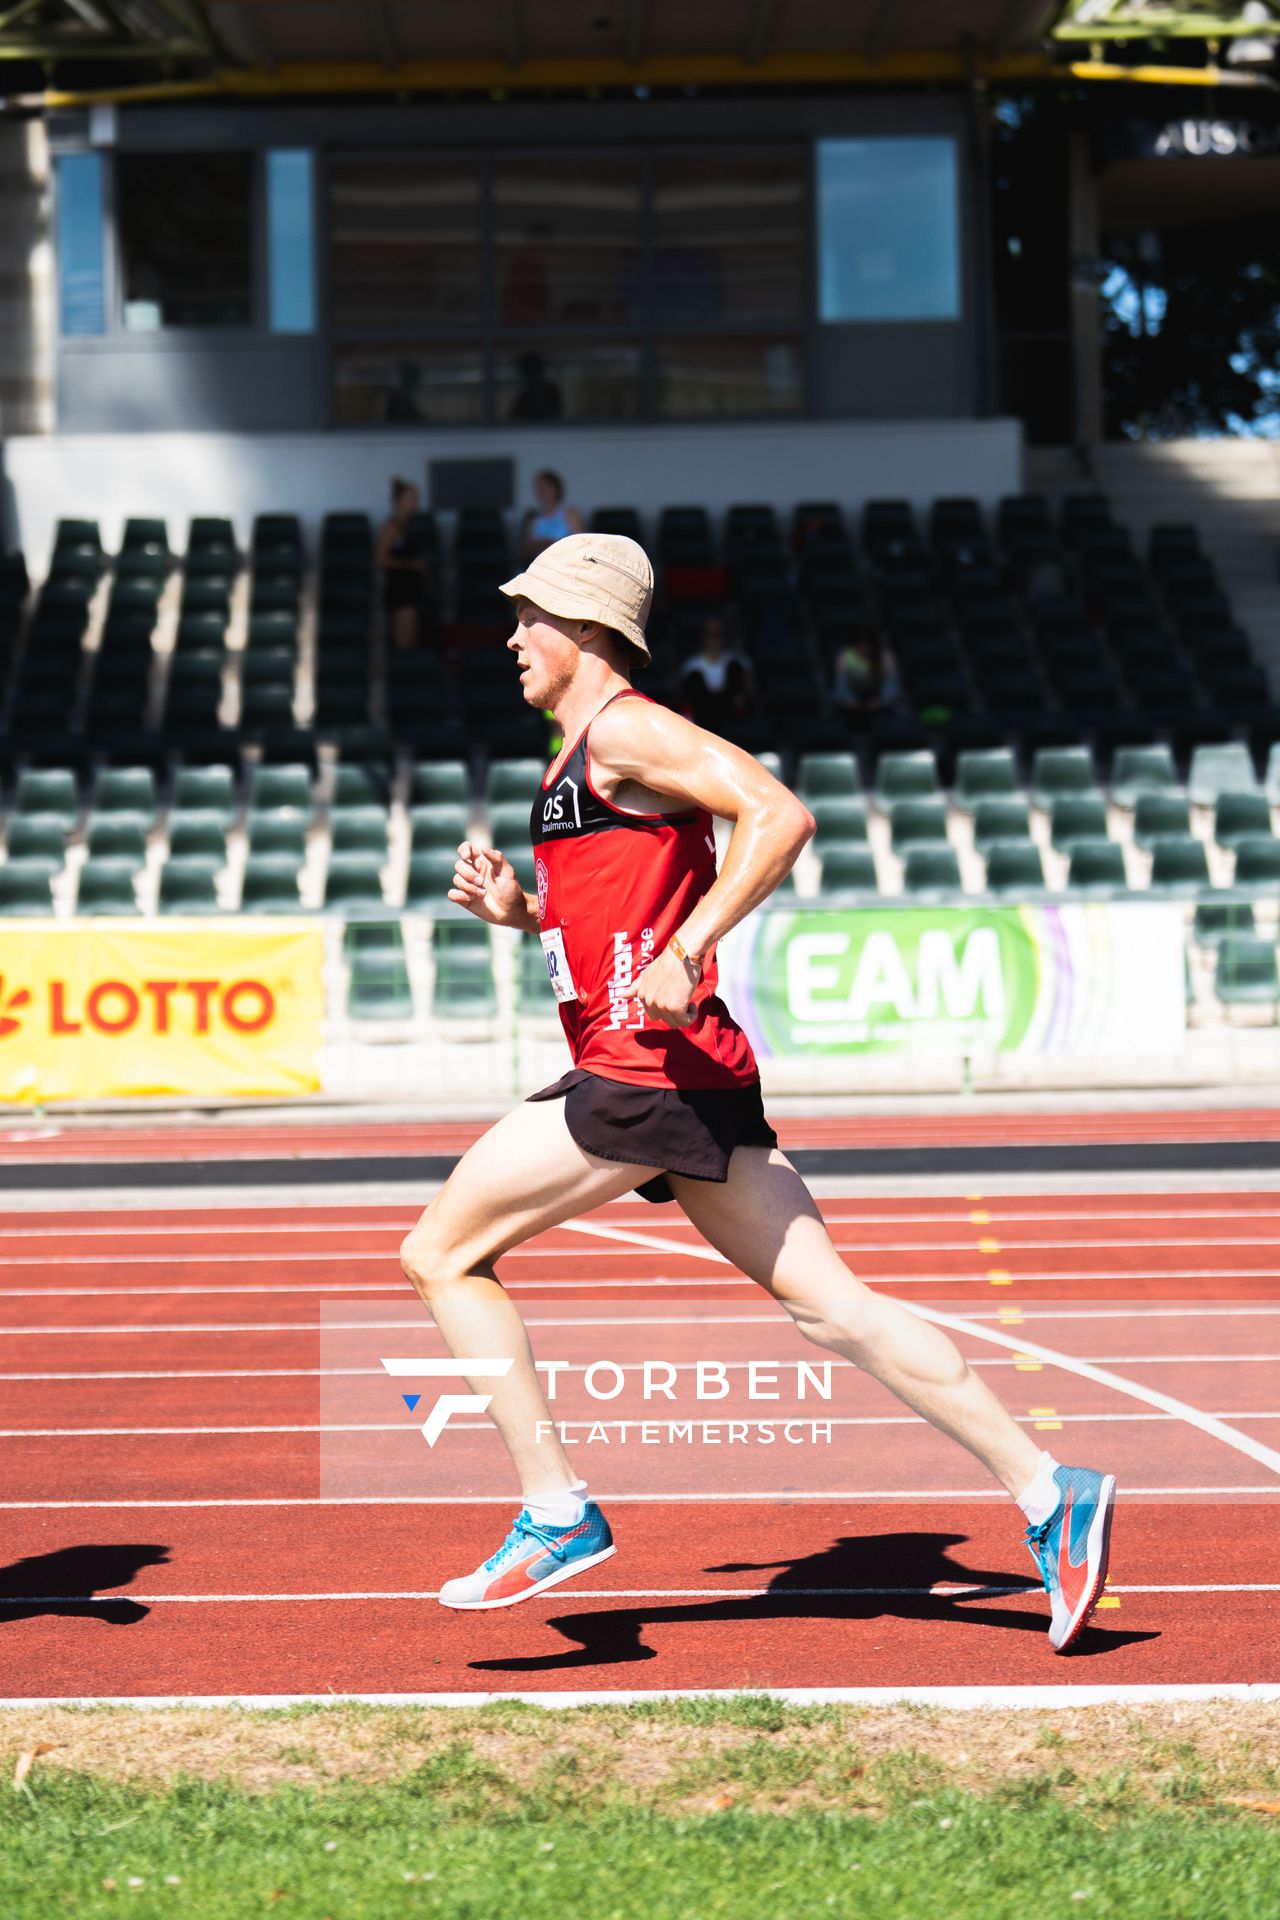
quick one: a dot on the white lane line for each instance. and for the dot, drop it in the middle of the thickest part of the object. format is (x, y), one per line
(957, 1590)
(791, 1497)
(957, 1699)
(1244, 1443)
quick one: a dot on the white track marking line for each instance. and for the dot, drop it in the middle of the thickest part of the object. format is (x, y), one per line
(793, 1496)
(945, 1590)
(1244, 1443)
(957, 1699)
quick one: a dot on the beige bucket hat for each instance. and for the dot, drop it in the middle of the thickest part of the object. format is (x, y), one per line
(591, 576)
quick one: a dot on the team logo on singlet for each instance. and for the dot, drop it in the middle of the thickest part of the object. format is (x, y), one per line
(561, 812)
(543, 882)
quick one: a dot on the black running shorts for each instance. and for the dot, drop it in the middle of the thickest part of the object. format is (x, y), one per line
(691, 1132)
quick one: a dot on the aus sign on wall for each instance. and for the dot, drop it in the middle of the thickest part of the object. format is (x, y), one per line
(106, 1008)
(1088, 981)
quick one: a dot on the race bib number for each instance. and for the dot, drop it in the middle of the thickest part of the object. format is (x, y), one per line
(558, 965)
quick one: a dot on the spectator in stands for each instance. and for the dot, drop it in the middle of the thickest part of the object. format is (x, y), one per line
(718, 683)
(551, 519)
(405, 573)
(865, 679)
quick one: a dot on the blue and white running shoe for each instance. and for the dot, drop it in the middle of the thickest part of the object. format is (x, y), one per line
(1071, 1548)
(532, 1558)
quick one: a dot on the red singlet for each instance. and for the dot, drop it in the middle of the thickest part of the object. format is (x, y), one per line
(612, 889)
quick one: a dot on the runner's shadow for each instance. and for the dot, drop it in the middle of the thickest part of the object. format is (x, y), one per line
(858, 1577)
(66, 1583)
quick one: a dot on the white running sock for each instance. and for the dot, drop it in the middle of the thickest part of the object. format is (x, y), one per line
(564, 1510)
(1039, 1501)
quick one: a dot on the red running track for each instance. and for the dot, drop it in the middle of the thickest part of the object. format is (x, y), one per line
(210, 1485)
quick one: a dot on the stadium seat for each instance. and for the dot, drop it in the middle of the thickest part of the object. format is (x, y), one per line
(1258, 863)
(1139, 770)
(991, 774)
(106, 887)
(1074, 817)
(440, 826)
(189, 885)
(196, 835)
(1061, 771)
(359, 785)
(266, 704)
(354, 882)
(209, 789)
(270, 667)
(1216, 920)
(440, 781)
(429, 880)
(509, 825)
(1157, 814)
(281, 834)
(1000, 819)
(205, 534)
(931, 870)
(1096, 865)
(463, 985)
(1179, 864)
(117, 837)
(838, 817)
(379, 987)
(281, 789)
(51, 791)
(1241, 816)
(513, 781)
(906, 776)
(270, 884)
(917, 823)
(359, 830)
(1245, 973)
(828, 775)
(1015, 867)
(37, 837)
(126, 790)
(533, 984)
(848, 869)
(26, 888)
(1220, 769)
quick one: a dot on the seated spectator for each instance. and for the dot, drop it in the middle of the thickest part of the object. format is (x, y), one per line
(718, 683)
(405, 572)
(866, 677)
(551, 520)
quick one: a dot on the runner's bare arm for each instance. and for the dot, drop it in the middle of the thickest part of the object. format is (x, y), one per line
(485, 884)
(635, 742)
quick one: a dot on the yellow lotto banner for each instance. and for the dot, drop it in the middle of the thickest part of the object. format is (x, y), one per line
(96, 1008)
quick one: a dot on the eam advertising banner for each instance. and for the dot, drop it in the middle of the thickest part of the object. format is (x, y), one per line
(1090, 980)
(109, 1008)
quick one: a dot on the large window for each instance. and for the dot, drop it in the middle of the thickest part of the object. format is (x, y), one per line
(888, 243)
(568, 284)
(81, 303)
(186, 239)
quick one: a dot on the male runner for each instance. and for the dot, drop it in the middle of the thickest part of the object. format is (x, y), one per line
(664, 1095)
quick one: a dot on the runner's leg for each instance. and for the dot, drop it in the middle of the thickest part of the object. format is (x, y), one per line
(764, 1219)
(524, 1175)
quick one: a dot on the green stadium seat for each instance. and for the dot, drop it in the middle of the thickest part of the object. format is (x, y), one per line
(533, 984)
(379, 986)
(359, 830)
(353, 882)
(906, 776)
(198, 836)
(1241, 816)
(463, 986)
(26, 888)
(839, 817)
(1258, 863)
(142, 565)
(189, 885)
(372, 936)
(440, 782)
(1222, 769)
(1000, 819)
(270, 667)
(361, 785)
(119, 837)
(37, 837)
(49, 790)
(824, 776)
(143, 533)
(1245, 973)
(206, 531)
(509, 825)
(989, 773)
(1179, 864)
(1217, 920)
(266, 704)
(1015, 867)
(917, 823)
(1074, 817)
(430, 878)
(1061, 771)
(1271, 782)
(200, 633)
(272, 632)
(1156, 814)
(126, 790)
(210, 596)
(931, 870)
(77, 533)
(848, 869)
(106, 887)
(1096, 865)
(1142, 770)
(437, 825)
(283, 834)
(270, 884)
(513, 781)
(206, 790)
(283, 789)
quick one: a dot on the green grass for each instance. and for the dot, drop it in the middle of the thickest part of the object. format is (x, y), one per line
(683, 1812)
